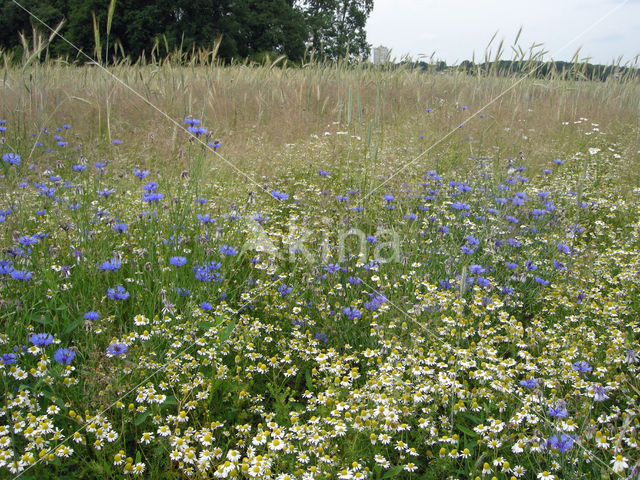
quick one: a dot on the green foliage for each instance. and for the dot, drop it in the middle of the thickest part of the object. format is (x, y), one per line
(246, 29)
(337, 27)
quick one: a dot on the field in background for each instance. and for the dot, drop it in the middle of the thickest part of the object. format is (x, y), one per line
(347, 273)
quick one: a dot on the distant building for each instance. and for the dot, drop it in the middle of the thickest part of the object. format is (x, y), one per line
(380, 55)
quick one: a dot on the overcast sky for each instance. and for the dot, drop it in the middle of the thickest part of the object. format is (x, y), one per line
(454, 29)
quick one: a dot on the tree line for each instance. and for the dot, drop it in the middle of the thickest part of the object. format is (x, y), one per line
(239, 29)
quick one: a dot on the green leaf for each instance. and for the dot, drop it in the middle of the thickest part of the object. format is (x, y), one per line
(475, 419)
(208, 325)
(170, 400)
(393, 472)
(226, 333)
(141, 418)
(307, 376)
(73, 325)
(466, 431)
(138, 457)
(41, 319)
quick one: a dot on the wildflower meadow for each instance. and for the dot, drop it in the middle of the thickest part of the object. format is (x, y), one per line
(325, 272)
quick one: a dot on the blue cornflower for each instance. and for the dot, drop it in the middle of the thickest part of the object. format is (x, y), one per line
(118, 293)
(27, 240)
(467, 251)
(41, 339)
(323, 173)
(445, 284)
(106, 192)
(150, 187)
(472, 240)
(112, 265)
(116, 142)
(371, 239)
(564, 248)
(562, 444)
(260, 218)
(511, 219)
(207, 273)
(507, 290)
(152, 197)
(206, 218)
(352, 313)
(600, 393)
(514, 242)
(11, 158)
(21, 275)
(546, 171)
(206, 306)
(460, 206)
(284, 290)
(582, 366)
(197, 131)
(215, 145)
(141, 174)
(377, 300)
(91, 315)
(542, 281)
(8, 358)
(354, 280)
(530, 265)
(332, 268)
(559, 265)
(476, 269)
(279, 195)
(191, 121)
(511, 265)
(64, 356)
(558, 412)
(389, 198)
(120, 227)
(116, 349)
(227, 250)
(529, 383)
(410, 216)
(557, 161)
(321, 336)
(177, 261)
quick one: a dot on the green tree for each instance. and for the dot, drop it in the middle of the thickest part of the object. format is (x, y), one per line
(248, 28)
(337, 27)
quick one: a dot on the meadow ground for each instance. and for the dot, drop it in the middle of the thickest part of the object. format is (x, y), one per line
(313, 273)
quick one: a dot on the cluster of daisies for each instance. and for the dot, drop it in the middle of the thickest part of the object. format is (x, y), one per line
(479, 323)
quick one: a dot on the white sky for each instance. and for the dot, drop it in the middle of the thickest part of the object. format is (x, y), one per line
(454, 29)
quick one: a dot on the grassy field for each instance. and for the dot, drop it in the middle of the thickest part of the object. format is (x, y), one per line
(313, 273)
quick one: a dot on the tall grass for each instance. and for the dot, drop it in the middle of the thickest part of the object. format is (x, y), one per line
(448, 355)
(256, 109)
